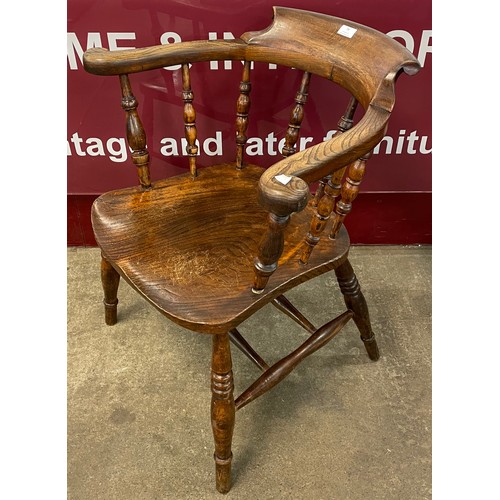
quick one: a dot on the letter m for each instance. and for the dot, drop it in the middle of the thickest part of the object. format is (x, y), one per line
(75, 48)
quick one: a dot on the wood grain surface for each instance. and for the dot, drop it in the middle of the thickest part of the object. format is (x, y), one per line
(188, 245)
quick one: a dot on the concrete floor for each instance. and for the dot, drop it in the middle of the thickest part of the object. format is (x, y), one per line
(339, 427)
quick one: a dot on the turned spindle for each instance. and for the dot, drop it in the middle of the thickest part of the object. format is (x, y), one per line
(349, 191)
(189, 119)
(270, 250)
(328, 190)
(296, 117)
(136, 137)
(242, 110)
(344, 124)
(320, 218)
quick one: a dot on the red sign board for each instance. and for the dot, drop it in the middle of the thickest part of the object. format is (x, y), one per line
(99, 159)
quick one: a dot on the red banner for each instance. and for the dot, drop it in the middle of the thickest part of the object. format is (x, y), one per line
(99, 159)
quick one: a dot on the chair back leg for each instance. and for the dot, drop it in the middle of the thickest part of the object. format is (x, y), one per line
(355, 301)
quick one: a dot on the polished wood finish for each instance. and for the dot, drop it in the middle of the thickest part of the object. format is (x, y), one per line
(242, 110)
(211, 247)
(355, 302)
(194, 269)
(272, 243)
(349, 191)
(296, 117)
(270, 250)
(110, 280)
(223, 410)
(136, 137)
(366, 65)
(320, 218)
(329, 189)
(103, 62)
(284, 366)
(189, 119)
(344, 124)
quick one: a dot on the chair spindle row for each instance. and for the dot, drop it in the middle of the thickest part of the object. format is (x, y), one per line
(344, 124)
(136, 136)
(327, 193)
(328, 190)
(271, 245)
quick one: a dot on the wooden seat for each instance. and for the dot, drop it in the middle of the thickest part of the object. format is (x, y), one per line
(193, 258)
(212, 246)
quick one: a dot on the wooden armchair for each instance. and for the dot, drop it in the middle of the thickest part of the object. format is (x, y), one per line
(210, 247)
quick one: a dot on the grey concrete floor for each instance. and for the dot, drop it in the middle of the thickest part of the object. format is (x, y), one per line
(339, 427)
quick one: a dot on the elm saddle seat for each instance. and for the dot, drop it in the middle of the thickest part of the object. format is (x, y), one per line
(212, 246)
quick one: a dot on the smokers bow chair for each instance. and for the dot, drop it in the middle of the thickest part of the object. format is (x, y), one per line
(212, 246)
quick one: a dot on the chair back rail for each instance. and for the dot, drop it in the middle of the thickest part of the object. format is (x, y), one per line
(314, 42)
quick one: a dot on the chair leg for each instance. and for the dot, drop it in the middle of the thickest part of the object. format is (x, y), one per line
(356, 302)
(223, 410)
(110, 281)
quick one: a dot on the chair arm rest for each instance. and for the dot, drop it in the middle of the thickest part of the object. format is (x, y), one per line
(101, 61)
(283, 187)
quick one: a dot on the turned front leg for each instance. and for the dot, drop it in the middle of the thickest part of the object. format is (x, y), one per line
(355, 301)
(223, 410)
(110, 280)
